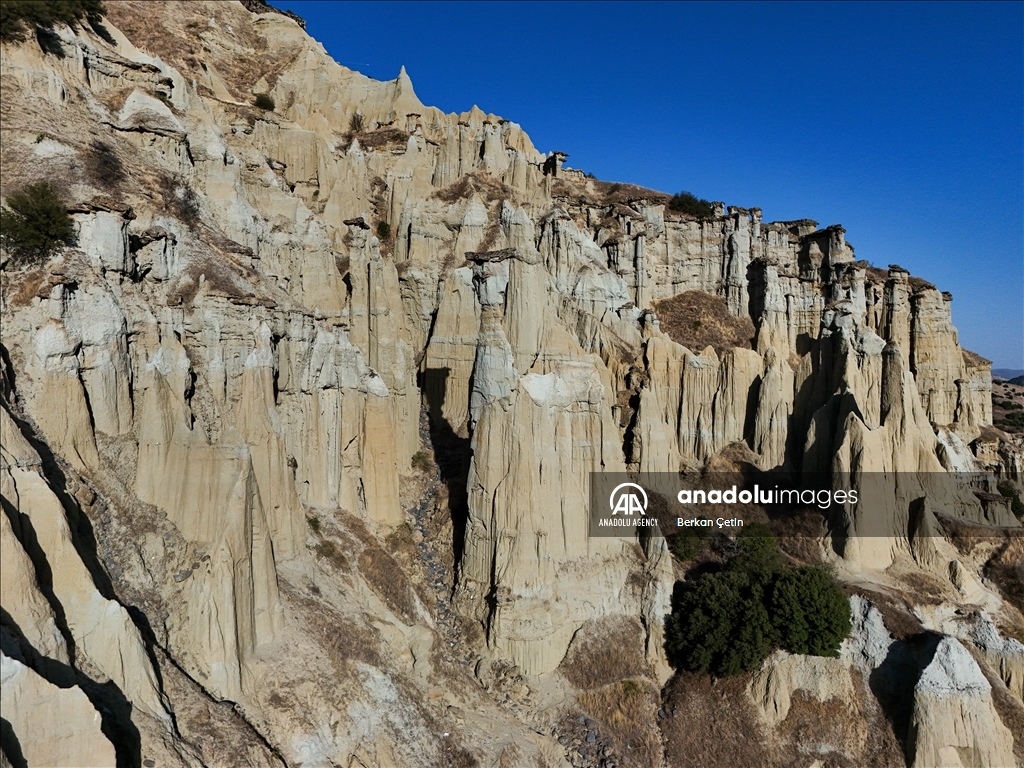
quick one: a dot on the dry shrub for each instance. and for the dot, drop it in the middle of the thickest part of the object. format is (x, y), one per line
(896, 614)
(697, 319)
(388, 581)
(345, 638)
(384, 138)
(625, 713)
(616, 192)
(839, 732)
(798, 534)
(184, 39)
(1006, 570)
(973, 358)
(510, 757)
(457, 756)
(490, 236)
(400, 543)
(103, 165)
(25, 286)
(711, 724)
(330, 552)
(604, 651)
(876, 274)
(920, 284)
(490, 189)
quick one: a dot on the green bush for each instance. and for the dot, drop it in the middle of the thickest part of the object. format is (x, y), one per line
(728, 621)
(757, 553)
(720, 625)
(686, 202)
(264, 101)
(36, 225)
(383, 231)
(810, 612)
(19, 17)
(421, 461)
(688, 542)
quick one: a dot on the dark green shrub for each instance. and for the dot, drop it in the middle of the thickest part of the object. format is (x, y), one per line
(264, 101)
(720, 625)
(688, 542)
(810, 612)
(383, 231)
(757, 553)
(19, 17)
(37, 224)
(686, 202)
(728, 621)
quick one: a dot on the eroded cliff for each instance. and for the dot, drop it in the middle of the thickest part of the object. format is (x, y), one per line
(297, 440)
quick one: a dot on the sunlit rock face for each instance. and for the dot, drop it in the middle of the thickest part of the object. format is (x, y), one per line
(297, 438)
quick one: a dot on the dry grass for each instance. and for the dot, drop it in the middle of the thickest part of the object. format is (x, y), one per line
(711, 724)
(876, 274)
(383, 138)
(345, 638)
(697, 319)
(388, 581)
(184, 38)
(329, 551)
(896, 614)
(614, 192)
(214, 729)
(973, 358)
(798, 534)
(920, 284)
(625, 713)
(489, 188)
(604, 651)
(20, 288)
(1006, 570)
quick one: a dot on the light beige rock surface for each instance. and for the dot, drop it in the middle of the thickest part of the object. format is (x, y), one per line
(72, 740)
(954, 722)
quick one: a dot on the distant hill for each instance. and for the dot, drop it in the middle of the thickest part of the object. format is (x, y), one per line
(1008, 373)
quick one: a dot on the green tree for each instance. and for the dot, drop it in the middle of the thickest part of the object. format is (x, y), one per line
(810, 611)
(727, 622)
(757, 554)
(686, 202)
(19, 17)
(686, 543)
(36, 225)
(720, 625)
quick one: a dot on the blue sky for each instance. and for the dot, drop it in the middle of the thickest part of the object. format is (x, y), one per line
(904, 122)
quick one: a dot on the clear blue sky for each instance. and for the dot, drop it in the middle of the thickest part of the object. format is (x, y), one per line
(902, 122)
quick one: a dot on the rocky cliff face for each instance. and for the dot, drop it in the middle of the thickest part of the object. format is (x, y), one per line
(297, 440)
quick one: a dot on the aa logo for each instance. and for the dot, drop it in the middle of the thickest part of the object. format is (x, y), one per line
(626, 501)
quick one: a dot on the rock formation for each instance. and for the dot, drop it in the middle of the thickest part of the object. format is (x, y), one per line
(297, 439)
